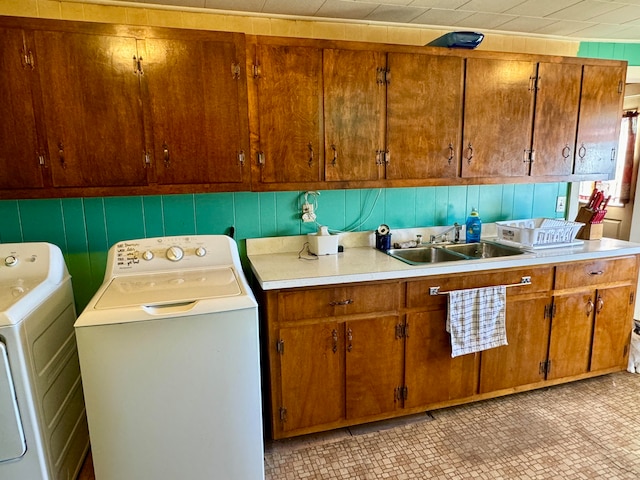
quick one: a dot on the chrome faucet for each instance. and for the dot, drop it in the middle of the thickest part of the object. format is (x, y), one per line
(443, 235)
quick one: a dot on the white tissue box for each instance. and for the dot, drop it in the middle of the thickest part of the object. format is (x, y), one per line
(322, 244)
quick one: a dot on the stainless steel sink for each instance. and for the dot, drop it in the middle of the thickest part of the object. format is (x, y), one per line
(422, 255)
(483, 249)
(452, 252)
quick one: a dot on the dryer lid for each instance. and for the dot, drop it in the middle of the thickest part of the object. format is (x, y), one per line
(169, 288)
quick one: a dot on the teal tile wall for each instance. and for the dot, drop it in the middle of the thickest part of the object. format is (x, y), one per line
(614, 51)
(85, 228)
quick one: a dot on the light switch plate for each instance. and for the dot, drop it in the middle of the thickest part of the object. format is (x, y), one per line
(561, 204)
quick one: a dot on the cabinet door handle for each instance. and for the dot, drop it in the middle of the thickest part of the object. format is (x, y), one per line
(61, 155)
(469, 153)
(334, 335)
(600, 304)
(348, 301)
(582, 152)
(451, 153)
(310, 154)
(165, 155)
(596, 273)
(566, 151)
(334, 160)
(350, 338)
(589, 307)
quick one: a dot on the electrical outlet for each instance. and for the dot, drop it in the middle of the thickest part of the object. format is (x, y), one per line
(561, 204)
(308, 214)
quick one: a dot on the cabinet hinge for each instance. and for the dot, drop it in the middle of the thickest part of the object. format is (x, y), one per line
(137, 65)
(383, 76)
(27, 59)
(41, 160)
(545, 367)
(146, 158)
(235, 71)
(402, 331)
(383, 157)
(528, 156)
(241, 157)
(631, 297)
(280, 346)
(283, 414)
(613, 154)
(255, 71)
(549, 311)
(620, 87)
(260, 158)
(400, 393)
(534, 83)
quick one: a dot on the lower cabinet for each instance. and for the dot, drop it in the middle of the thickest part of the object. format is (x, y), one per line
(343, 355)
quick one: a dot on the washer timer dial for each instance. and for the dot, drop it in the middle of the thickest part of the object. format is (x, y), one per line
(175, 254)
(11, 261)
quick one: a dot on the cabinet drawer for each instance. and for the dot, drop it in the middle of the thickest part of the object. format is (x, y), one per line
(594, 272)
(418, 292)
(336, 301)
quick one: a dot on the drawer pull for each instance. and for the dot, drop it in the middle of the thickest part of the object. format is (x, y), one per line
(598, 272)
(348, 301)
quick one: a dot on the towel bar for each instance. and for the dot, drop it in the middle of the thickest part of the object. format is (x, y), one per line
(523, 281)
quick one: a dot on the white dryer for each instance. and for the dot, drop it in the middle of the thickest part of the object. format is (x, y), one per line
(169, 355)
(43, 428)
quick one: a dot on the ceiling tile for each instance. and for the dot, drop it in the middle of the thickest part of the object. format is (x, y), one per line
(488, 21)
(540, 8)
(437, 16)
(584, 10)
(244, 6)
(620, 15)
(599, 31)
(445, 4)
(348, 9)
(388, 13)
(490, 6)
(563, 28)
(292, 7)
(526, 24)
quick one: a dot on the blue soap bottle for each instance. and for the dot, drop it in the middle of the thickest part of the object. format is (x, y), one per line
(474, 227)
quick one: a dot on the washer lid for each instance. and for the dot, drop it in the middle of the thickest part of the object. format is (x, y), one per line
(12, 444)
(169, 288)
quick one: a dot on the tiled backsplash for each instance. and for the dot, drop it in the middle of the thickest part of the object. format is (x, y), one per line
(85, 228)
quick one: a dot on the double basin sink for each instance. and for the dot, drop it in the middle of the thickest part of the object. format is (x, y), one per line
(451, 252)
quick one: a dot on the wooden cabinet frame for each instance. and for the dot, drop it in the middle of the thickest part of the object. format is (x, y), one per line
(348, 354)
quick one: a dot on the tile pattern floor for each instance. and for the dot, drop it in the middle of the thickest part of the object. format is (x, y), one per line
(584, 430)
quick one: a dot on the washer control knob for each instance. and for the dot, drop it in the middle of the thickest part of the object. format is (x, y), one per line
(147, 255)
(11, 261)
(175, 254)
(201, 251)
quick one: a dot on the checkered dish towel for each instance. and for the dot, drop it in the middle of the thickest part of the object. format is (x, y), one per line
(476, 319)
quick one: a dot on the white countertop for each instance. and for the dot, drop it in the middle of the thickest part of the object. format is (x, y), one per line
(280, 268)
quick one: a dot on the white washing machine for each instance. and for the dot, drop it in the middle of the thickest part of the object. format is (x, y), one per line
(43, 427)
(169, 355)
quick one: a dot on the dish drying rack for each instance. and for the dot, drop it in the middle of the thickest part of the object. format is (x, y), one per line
(537, 233)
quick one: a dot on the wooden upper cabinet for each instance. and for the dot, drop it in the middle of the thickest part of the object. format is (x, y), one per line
(20, 149)
(424, 116)
(195, 85)
(600, 117)
(498, 114)
(92, 108)
(289, 109)
(556, 119)
(354, 114)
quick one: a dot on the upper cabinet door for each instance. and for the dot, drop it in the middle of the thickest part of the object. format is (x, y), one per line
(19, 147)
(498, 116)
(424, 116)
(556, 119)
(354, 114)
(194, 85)
(600, 117)
(92, 108)
(288, 83)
